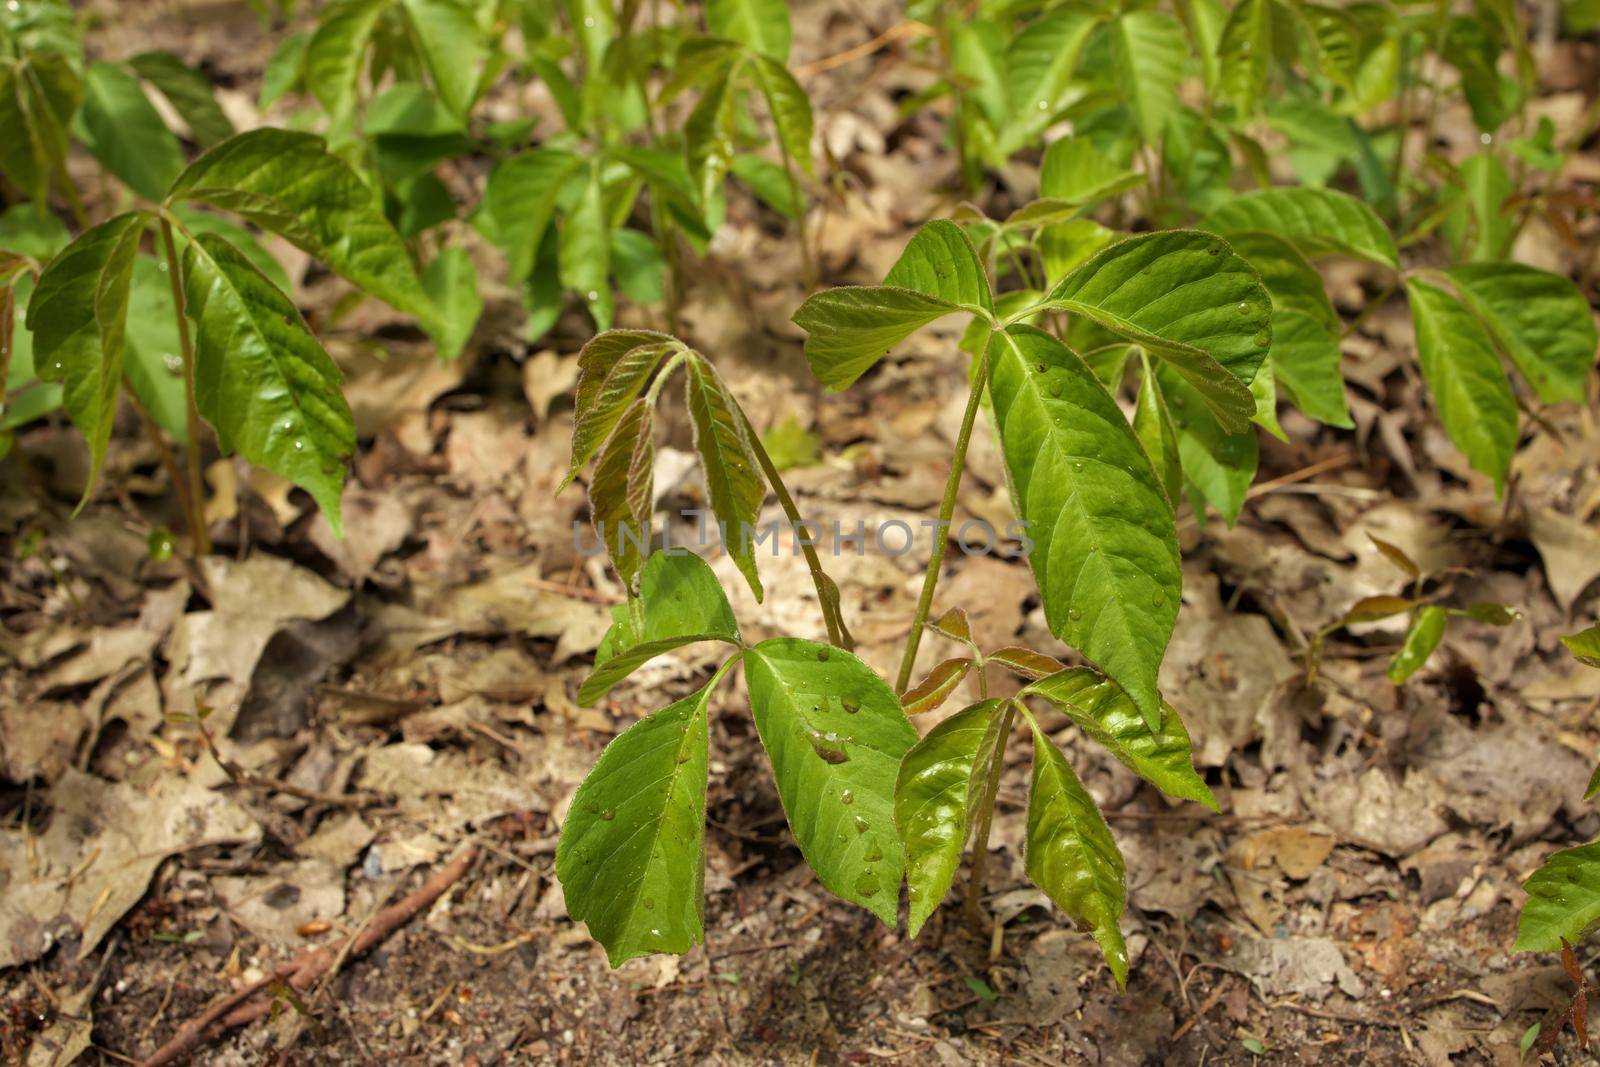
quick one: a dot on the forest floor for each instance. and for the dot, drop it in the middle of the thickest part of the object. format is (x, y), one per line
(386, 701)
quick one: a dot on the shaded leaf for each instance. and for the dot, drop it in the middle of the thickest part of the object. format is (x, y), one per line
(1105, 546)
(1373, 608)
(125, 132)
(1244, 52)
(735, 486)
(680, 602)
(1585, 645)
(1026, 662)
(836, 735)
(518, 201)
(1539, 319)
(937, 781)
(1150, 52)
(1290, 279)
(621, 494)
(763, 25)
(38, 97)
(451, 282)
(189, 93)
(1219, 465)
(1305, 361)
(790, 108)
(1152, 423)
(928, 694)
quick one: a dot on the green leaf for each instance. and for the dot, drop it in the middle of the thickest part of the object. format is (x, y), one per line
(586, 251)
(1152, 424)
(261, 377)
(518, 200)
(851, 327)
(1290, 279)
(1099, 707)
(708, 132)
(288, 183)
(931, 693)
(152, 358)
(125, 132)
(1074, 170)
(612, 369)
(1585, 645)
(238, 235)
(1421, 639)
(285, 70)
(1039, 66)
(336, 53)
(622, 491)
(680, 602)
(932, 791)
(1486, 185)
(1463, 373)
(38, 97)
(1265, 390)
(1065, 246)
(1316, 221)
(1539, 319)
(836, 735)
(1150, 53)
(763, 25)
(790, 108)
(1219, 465)
(1105, 545)
(1305, 362)
(1244, 53)
(735, 487)
(1188, 299)
(453, 46)
(78, 316)
(1563, 900)
(631, 858)
(451, 282)
(189, 93)
(1071, 854)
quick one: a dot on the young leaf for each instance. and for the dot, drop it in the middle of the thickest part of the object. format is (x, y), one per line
(586, 253)
(1421, 639)
(631, 857)
(1539, 319)
(453, 47)
(125, 132)
(763, 25)
(935, 689)
(1218, 464)
(1373, 608)
(931, 800)
(1305, 362)
(1152, 424)
(835, 735)
(1585, 645)
(851, 327)
(151, 359)
(680, 602)
(1316, 221)
(1244, 53)
(1100, 708)
(189, 93)
(334, 57)
(518, 200)
(1265, 390)
(78, 316)
(790, 108)
(1074, 170)
(953, 624)
(735, 487)
(1149, 51)
(288, 183)
(1026, 662)
(1188, 299)
(621, 494)
(451, 282)
(1071, 854)
(261, 377)
(612, 368)
(1563, 900)
(1105, 545)
(1463, 373)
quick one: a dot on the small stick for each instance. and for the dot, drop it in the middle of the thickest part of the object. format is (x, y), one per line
(866, 48)
(301, 971)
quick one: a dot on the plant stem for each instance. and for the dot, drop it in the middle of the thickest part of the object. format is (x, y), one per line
(947, 508)
(74, 201)
(980, 843)
(827, 591)
(196, 494)
(808, 269)
(170, 465)
(7, 314)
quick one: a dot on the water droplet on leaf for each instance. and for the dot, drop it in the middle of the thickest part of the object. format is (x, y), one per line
(608, 814)
(846, 797)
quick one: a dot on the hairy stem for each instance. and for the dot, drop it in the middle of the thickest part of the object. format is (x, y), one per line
(827, 591)
(985, 815)
(947, 508)
(196, 494)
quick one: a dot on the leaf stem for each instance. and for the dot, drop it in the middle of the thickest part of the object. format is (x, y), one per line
(947, 508)
(808, 269)
(827, 591)
(980, 842)
(195, 496)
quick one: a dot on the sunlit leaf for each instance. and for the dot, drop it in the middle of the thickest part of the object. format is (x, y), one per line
(1150, 53)
(1317, 221)
(1074, 170)
(612, 369)
(836, 735)
(763, 25)
(337, 50)
(935, 689)
(1039, 67)
(453, 47)
(1539, 319)
(585, 255)
(790, 108)
(1152, 423)
(1244, 52)
(1585, 645)
(125, 132)
(518, 201)
(451, 282)
(1563, 900)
